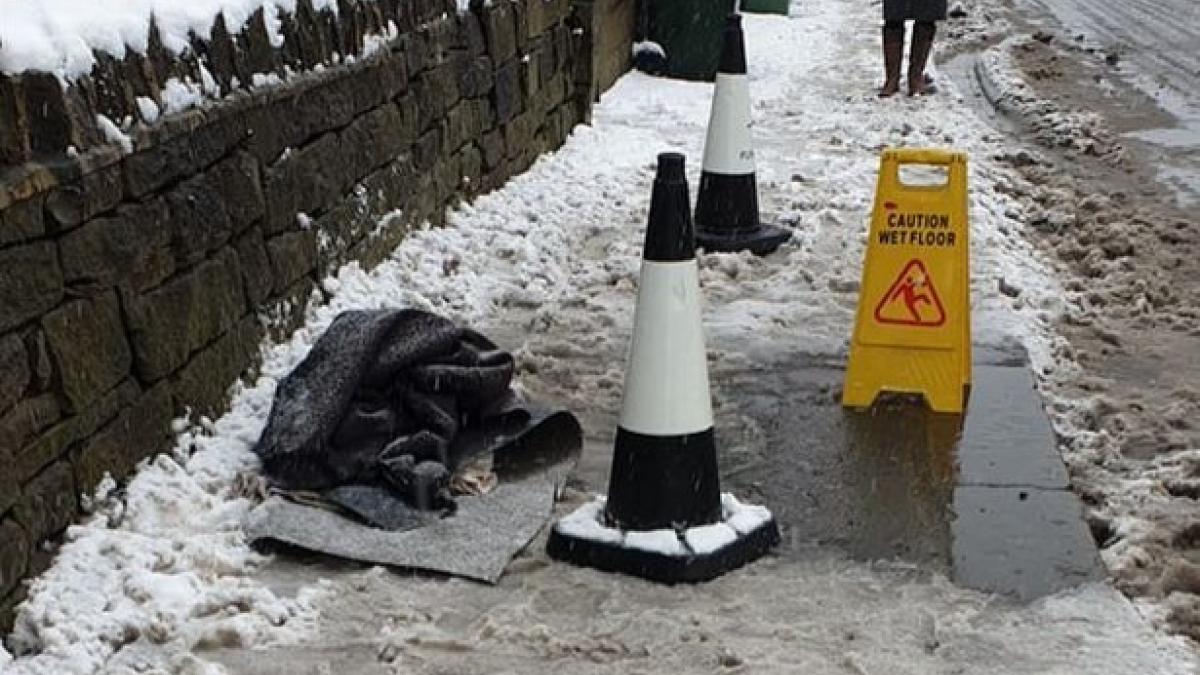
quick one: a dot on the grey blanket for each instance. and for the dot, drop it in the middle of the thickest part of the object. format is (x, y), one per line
(384, 409)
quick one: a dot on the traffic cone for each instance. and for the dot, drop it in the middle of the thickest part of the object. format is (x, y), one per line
(665, 517)
(727, 207)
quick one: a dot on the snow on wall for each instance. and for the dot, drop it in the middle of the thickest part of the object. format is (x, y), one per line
(62, 36)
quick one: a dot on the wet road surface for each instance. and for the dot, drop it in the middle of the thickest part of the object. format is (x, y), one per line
(1158, 45)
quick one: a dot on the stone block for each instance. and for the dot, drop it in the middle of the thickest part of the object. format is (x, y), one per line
(31, 282)
(375, 139)
(500, 29)
(139, 431)
(471, 34)
(307, 180)
(203, 384)
(256, 266)
(22, 221)
(56, 441)
(410, 118)
(130, 247)
(437, 91)
(169, 323)
(426, 150)
(199, 222)
(238, 182)
(519, 11)
(14, 555)
(51, 126)
(472, 170)
(437, 40)
(492, 145)
(293, 255)
(39, 353)
(14, 128)
(255, 46)
(48, 502)
(305, 110)
(10, 489)
(475, 76)
(349, 26)
(447, 178)
(506, 93)
(87, 340)
(276, 126)
(221, 55)
(540, 15)
(518, 135)
(548, 63)
(14, 370)
(409, 45)
(95, 193)
(309, 35)
(531, 67)
(26, 419)
(189, 144)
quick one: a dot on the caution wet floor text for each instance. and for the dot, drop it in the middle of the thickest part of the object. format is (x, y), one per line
(912, 332)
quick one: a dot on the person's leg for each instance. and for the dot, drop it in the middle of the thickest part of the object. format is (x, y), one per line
(893, 56)
(918, 55)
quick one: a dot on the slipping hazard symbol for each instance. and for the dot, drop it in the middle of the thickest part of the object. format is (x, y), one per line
(912, 299)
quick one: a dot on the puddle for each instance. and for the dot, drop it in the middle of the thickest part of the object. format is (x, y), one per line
(983, 499)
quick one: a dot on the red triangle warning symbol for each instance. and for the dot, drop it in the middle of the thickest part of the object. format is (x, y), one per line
(911, 300)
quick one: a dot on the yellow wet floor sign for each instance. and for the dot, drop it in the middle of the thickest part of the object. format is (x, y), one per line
(912, 332)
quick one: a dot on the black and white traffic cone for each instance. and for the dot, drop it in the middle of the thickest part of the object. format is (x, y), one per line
(727, 216)
(665, 517)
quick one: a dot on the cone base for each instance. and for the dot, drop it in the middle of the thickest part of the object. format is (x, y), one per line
(761, 240)
(663, 567)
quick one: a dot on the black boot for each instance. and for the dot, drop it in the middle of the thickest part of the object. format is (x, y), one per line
(893, 55)
(918, 56)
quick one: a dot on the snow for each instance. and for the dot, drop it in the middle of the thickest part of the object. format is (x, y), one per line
(586, 522)
(180, 94)
(548, 266)
(148, 109)
(709, 538)
(648, 47)
(113, 134)
(662, 542)
(744, 518)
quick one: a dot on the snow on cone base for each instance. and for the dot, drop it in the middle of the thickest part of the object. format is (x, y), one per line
(743, 534)
(727, 217)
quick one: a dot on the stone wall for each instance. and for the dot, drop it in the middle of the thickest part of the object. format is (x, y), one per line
(137, 267)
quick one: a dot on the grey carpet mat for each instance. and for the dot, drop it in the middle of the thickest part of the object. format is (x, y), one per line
(477, 542)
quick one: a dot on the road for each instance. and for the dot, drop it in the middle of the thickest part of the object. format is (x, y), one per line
(1158, 43)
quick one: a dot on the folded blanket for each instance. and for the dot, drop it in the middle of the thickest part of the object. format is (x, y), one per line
(389, 402)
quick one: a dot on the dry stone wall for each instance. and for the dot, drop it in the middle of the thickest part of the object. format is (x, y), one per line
(136, 271)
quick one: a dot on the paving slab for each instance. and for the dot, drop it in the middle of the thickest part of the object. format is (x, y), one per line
(982, 498)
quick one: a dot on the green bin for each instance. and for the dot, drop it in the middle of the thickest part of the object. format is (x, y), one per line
(765, 6)
(690, 33)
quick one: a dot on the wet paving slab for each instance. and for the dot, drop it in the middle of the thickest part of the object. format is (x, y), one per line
(982, 497)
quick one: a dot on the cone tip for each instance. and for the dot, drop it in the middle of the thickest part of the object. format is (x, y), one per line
(670, 167)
